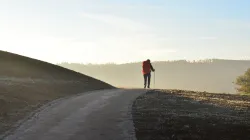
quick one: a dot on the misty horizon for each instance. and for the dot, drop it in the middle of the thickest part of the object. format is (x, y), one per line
(136, 61)
(157, 61)
(216, 76)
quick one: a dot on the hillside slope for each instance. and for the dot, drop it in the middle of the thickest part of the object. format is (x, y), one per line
(26, 84)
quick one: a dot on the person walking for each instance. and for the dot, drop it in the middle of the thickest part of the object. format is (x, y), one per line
(146, 70)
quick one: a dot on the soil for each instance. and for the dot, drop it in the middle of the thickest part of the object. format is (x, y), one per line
(188, 115)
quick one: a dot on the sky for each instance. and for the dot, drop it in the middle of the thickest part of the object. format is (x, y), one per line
(103, 31)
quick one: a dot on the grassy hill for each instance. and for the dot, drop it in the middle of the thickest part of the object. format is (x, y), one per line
(26, 84)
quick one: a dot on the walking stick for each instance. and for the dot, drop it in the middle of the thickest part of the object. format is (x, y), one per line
(154, 79)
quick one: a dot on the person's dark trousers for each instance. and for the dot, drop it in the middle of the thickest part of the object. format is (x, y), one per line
(147, 78)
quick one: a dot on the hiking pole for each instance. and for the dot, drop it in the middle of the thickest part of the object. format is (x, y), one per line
(154, 79)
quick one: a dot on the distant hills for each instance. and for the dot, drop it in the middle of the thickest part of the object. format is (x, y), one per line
(212, 75)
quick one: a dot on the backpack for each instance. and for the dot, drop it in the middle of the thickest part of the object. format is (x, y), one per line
(146, 67)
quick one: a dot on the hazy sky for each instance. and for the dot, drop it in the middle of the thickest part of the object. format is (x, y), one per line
(100, 31)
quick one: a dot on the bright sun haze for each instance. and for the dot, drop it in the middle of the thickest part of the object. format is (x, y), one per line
(96, 31)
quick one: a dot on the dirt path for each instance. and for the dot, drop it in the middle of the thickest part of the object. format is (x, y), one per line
(100, 115)
(21, 96)
(184, 115)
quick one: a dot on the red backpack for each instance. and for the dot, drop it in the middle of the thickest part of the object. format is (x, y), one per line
(146, 67)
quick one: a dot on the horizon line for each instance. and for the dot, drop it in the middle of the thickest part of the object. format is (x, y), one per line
(157, 61)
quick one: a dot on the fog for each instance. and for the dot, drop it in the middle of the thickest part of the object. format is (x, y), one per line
(206, 75)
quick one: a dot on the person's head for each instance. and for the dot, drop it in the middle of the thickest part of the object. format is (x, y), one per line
(148, 60)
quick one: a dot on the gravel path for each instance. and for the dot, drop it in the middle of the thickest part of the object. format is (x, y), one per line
(100, 115)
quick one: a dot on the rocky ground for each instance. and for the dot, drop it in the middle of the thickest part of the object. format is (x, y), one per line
(187, 115)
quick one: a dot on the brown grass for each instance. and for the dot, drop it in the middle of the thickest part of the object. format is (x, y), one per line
(26, 84)
(187, 115)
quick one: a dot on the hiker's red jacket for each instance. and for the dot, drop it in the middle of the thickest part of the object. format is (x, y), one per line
(146, 67)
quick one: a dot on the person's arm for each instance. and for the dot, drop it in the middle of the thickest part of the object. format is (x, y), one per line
(152, 67)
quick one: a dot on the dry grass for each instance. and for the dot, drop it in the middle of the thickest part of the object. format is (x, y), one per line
(18, 99)
(186, 115)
